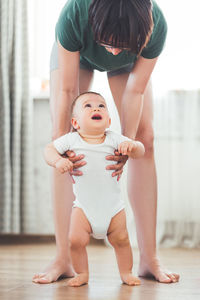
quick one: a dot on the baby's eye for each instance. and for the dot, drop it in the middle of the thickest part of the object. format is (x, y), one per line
(101, 105)
(87, 105)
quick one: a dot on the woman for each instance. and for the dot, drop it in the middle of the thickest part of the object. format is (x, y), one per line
(124, 38)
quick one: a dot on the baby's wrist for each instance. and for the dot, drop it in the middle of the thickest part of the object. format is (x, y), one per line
(56, 161)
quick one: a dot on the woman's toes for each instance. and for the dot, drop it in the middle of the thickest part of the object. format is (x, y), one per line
(177, 276)
(160, 274)
(164, 278)
(42, 278)
(173, 277)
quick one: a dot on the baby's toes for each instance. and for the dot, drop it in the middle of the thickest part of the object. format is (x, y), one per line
(134, 281)
(73, 282)
(129, 279)
(79, 280)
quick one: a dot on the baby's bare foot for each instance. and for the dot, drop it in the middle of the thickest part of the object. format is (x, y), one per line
(55, 270)
(129, 279)
(79, 280)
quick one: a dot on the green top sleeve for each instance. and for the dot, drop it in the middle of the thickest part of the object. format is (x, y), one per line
(158, 37)
(68, 27)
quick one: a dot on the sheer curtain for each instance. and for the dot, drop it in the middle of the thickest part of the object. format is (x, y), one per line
(177, 153)
(177, 127)
(16, 202)
(176, 111)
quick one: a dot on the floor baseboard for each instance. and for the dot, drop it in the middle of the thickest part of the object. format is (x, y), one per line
(35, 239)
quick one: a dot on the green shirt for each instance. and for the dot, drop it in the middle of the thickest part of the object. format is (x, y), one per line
(75, 34)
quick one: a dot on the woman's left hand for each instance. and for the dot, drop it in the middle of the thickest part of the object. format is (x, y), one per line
(118, 167)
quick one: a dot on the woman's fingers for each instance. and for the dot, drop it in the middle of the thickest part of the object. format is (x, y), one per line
(79, 165)
(121, 160)
(118, 158)
(113, 157)
(75, 173)
(73, 157)
(73, 181)
(117, 173)
(118, 177)
(116, 167)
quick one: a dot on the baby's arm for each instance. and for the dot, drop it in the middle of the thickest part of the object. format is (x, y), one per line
(133, 149)
(54, 159)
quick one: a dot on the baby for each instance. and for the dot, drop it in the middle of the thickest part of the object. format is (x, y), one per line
(98, 209)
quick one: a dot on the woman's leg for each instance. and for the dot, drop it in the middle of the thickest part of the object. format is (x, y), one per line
(62, 195)
(142, 186)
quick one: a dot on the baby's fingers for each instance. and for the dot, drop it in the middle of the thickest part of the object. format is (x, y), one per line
(61, 170)
(65, 169)
(130, 147)
(121, 149)
(124, 149)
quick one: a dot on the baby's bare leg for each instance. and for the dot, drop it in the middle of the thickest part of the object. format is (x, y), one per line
(79, 237)
(118, 237)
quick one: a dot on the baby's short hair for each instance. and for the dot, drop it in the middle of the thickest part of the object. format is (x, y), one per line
(75, 100)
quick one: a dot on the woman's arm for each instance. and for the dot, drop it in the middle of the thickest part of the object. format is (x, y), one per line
(68, 87)
(132, 102)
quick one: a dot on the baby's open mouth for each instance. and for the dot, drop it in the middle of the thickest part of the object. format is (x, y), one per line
(96, 117)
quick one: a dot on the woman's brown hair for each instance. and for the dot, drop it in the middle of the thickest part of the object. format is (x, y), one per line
(125, 24)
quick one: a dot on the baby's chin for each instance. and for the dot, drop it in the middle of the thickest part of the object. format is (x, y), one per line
(96, 128)
(93, 131)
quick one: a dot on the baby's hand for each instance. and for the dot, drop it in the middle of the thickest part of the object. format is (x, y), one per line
(126, 147)
(64, 165)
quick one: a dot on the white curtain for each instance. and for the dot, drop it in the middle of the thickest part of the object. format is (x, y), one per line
(16, 202)
(177, 126)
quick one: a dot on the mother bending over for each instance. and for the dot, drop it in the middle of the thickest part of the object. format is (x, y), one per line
(123, 38)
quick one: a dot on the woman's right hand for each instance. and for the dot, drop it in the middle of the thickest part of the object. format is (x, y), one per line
(77, 163)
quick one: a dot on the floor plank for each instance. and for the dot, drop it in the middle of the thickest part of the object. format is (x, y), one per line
(19, 262)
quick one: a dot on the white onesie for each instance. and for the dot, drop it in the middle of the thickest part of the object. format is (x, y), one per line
(97, 192)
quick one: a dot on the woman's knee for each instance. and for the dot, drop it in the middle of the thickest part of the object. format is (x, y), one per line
(146, 136)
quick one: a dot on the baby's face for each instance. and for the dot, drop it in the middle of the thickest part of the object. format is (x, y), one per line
(91, 114)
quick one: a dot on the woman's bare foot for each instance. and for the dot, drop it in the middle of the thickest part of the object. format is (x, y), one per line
(129, 279)
(55, 270)
(79, 280)
(154, 269)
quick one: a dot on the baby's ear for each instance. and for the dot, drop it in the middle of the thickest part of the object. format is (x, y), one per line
(75, 123)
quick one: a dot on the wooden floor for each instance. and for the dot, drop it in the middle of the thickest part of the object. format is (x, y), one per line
(19, 262)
